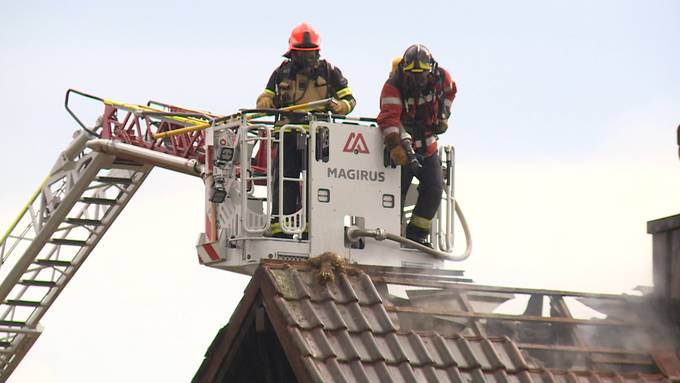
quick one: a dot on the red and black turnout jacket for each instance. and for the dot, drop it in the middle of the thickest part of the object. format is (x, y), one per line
(403, 108)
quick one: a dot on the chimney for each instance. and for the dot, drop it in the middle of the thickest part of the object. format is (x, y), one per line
(666, 256)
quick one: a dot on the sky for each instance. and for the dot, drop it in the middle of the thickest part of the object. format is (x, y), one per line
(564, 128)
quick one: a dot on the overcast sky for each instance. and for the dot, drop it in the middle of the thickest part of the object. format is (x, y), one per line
(564, 128)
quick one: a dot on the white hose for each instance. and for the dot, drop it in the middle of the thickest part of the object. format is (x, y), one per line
(354, 233)
(468, 237)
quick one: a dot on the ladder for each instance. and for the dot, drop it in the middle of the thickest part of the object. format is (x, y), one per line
(87, 188)
(54, 234)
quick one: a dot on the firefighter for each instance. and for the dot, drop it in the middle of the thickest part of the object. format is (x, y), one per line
(415, 105)
(303, 77)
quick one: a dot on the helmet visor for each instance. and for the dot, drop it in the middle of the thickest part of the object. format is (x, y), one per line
(417, 66)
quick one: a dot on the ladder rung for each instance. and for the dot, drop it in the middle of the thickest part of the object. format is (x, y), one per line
(19, 302)
(114, 180)
(84, 221)
(12, 323)
(36, 282)
(52, 262)
(69, 242)
(99, 201)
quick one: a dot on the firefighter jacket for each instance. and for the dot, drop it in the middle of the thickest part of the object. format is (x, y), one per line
(420, 113)
(288, 86)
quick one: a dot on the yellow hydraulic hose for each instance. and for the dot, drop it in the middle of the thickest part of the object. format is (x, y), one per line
(134, 107)
(308, 105)
(176, 132)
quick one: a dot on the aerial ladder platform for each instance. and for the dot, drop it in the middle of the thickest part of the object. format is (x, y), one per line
(350, 200)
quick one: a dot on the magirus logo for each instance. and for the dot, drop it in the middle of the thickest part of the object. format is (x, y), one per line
(356, 174)
(355, 144)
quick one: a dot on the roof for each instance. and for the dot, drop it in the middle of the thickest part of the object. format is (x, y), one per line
(406, 325)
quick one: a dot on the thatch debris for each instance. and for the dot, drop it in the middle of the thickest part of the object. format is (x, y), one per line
(330, 264)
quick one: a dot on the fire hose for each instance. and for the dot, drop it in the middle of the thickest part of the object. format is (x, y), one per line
(355, 233)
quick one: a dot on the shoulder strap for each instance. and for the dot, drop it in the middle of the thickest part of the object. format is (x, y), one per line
(325, 69)
(284, 71)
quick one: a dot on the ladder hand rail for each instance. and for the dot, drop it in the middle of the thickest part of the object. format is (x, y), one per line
(446, 213)
(287, 222)
(17, 219)
(73, 150)
(246, 176)
(68, 109)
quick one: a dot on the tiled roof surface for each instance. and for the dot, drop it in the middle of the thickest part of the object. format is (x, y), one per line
(345, 331)
(344, 334)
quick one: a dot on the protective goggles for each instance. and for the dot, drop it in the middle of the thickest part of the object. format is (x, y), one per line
(418, 66)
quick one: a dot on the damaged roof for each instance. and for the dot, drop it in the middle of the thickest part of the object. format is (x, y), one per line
(406, 325)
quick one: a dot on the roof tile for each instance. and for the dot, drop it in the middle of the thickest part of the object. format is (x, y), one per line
(336, 372)
(367, 347)
(415, 349)
(501, 376)
(378, 319)
(525, 377)
(465, 350)
(392, 349)
(289, 284)
(327, 312)
(298, 313)
(512, 356)
(474, 376)
(312, 366)
(451, 374)
(316, 343)
(442, 356)
(377, 372)
(353, 317)
(425, 374)
(364, 288)
(494, 359)
(403, 372)
(342, 345)
(359, 372)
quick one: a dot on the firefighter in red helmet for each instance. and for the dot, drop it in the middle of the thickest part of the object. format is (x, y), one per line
(415, 105)
(303, 77)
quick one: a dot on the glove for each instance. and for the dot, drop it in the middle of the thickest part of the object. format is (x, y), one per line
(339, 106)
(441, 127)
(265, 101)
(398, 155)
(391, 141)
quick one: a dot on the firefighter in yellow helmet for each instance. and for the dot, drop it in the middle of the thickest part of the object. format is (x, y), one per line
(303, 77)
(415, 105)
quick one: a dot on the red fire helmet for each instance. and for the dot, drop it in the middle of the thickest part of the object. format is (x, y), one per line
(303, 38)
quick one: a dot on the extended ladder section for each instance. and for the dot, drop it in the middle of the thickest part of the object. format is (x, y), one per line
(52, 237)
(86, 190)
